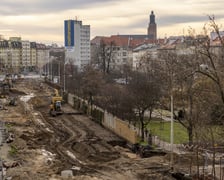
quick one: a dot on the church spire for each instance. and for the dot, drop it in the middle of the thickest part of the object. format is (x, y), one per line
(152, 28)
(152, 18)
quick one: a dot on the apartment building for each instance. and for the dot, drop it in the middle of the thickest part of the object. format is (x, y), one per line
(33, 55)
(17, 55)
(117, 50)
(77, 43)
(5, 55)
(26, 60)
(42, 57)
(144, 55)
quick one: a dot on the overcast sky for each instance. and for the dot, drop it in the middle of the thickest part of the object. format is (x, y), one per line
(43, 20)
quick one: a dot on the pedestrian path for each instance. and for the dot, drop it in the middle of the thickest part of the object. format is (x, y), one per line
(177, 148)
(163, 114)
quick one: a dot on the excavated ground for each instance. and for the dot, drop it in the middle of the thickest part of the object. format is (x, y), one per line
(45, 146)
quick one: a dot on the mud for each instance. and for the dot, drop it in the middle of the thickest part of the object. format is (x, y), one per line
(47, 145)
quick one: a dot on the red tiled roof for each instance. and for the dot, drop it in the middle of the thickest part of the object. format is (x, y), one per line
(217, 41)
(123, 41)
(96, 40)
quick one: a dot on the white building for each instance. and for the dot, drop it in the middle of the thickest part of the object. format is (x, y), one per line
(149, 50)
(77, 43)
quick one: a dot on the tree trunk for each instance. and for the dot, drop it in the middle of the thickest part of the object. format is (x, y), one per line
(190, 134)
(91, 102)
(141, 116)
(190, 127)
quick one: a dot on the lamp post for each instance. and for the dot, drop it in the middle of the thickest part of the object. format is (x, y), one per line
(48, 61)
(51, 72)
(64, 75)
(59, 79)
(171, 121)
(171, 130)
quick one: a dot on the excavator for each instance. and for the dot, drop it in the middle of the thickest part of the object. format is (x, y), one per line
(55, 107)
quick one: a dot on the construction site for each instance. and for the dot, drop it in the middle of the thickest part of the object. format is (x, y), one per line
(42, 137)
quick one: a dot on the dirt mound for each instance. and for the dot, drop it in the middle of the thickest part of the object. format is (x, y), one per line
(16, 92)
(35, 140)
(95, 152)
(39, 102)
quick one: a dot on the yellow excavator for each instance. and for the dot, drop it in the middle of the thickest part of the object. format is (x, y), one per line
(55, 107)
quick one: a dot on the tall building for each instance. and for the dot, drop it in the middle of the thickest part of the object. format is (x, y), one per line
(77, 43)
(152, 29)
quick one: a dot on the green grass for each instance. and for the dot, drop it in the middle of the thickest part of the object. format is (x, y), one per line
(13, 150)
(162, 130)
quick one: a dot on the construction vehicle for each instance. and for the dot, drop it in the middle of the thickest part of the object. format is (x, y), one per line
(55, 107)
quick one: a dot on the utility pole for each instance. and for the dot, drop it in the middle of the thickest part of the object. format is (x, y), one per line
(171, 120)
(59, 79)
(64, 76)
(171, 131)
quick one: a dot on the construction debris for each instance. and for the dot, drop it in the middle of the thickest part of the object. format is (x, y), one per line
(66, 146)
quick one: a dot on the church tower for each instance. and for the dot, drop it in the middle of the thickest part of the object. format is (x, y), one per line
(152, 30)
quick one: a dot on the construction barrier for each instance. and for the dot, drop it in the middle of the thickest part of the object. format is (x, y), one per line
(118, 126)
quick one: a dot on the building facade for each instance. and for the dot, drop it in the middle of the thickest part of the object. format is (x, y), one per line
(77, 43)
(144, 55)
(26, 60)
(17, 56)
(115, 52)
(42, 58)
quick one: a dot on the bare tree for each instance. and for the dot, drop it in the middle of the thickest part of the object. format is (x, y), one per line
(211, 65)
(180, 79)
(211, 59)
(91, 83)
(144, 90)
(106, 55)
(116, 100)
(71, 76)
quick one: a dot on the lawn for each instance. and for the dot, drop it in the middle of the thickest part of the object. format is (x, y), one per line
(162, 130)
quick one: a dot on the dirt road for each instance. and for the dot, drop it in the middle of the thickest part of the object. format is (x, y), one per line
(46, 147)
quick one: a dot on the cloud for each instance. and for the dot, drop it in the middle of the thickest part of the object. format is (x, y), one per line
(11, 7)
(180, 18)
(43, 20)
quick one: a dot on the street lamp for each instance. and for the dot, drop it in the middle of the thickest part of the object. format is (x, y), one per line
(64, 75)
(51, 72)
(171, 127)
(171, 121)
(48, 68)
(59, 75)
(58, 59)
(65, 62)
